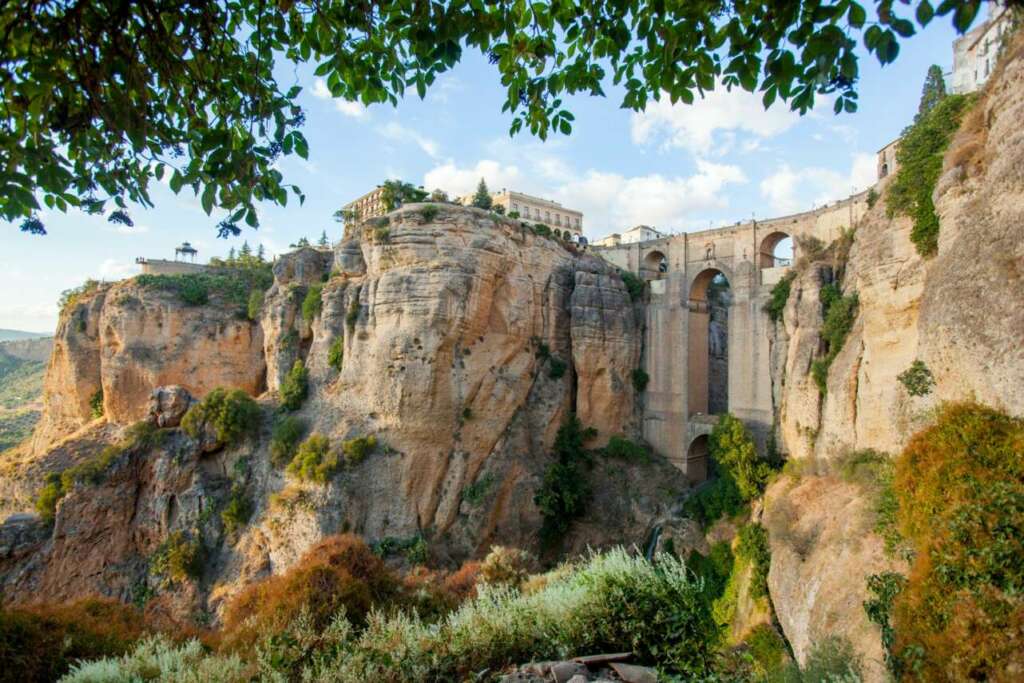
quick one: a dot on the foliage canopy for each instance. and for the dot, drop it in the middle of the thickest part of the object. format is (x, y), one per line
(102, 98)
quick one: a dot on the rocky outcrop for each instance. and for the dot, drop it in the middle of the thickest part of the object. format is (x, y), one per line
(823, 548)
(466, 340)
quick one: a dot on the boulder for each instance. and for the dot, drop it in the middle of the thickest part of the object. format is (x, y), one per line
(167, 405)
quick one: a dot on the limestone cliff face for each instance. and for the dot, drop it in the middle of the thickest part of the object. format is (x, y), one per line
(467, 340)
(959, 311)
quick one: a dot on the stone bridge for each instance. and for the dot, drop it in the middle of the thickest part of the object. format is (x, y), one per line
(677, 415)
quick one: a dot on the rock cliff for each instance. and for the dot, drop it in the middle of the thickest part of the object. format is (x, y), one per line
(466, 341)
(958, 311)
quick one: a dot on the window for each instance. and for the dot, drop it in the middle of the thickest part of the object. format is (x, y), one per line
(558, 219)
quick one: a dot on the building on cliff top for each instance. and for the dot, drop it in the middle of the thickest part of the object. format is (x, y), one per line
(535, 209)
(638, 233)
(975, 53)
(370, 205)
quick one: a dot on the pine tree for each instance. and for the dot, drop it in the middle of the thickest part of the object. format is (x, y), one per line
(933, 91)
(231, 254)
(261, 253)
(246, 251)
(482, 198)
(323, 239)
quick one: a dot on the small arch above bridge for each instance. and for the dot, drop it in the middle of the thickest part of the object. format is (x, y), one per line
(655, 265)
(778, 250)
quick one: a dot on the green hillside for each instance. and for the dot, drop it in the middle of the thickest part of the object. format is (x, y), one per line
(21, 390)
(8, 335)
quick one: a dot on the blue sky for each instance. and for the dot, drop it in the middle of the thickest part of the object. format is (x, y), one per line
(679, 168)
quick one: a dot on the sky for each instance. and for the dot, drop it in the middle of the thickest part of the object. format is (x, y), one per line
(677, 168)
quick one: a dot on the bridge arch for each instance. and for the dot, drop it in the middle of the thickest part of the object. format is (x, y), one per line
(778, 249)
(708, 343)
(698, 457)
(655, 265)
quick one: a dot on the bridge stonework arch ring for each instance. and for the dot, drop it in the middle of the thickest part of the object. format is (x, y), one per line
(654, 265)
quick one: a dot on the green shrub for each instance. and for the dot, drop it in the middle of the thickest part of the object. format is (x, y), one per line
(752, 546)
(872, 198)
(917, 379)
(70, 297)
(634, 285)
(732, 449)
(714, 500)
(178, 559)
(355, 450)
(336, 353)
(429, 213)
(564, 491)
(295, 387)
(467, 413)
(640, 379)
(541, 230)
(883, 589)
(96, 404)
(231, 415)
(839, 313)
(476, 493)
(42, 642)
(233, 284)
(255, 304)
(314, 460)
(714, 568)
(611, 602)
(621, 447)
(919, 164)
(960, 491)
(160, 655)
(48, 497)
(284, 439)
(832, 659)
(776, 304)
(237, 513)
(557, 368)
(767, 649)
(312, 303)
(382, 235)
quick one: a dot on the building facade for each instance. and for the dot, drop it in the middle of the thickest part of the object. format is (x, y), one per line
(639, 233)
(975, 53)
(887, 164)
(370, 205)
(535, 209)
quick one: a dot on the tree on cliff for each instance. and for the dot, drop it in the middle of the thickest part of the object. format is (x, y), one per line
(933, 91)
(102, 98)
(482, 198)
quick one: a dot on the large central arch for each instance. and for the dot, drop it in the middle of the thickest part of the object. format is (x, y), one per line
(708, 344)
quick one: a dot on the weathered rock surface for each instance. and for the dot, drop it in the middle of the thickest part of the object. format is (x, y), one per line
(451, 332)
(822, 551)
(959, 311)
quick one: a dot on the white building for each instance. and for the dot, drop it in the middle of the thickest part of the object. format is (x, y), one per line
(535, 210)
(639, 233)
(975, 53)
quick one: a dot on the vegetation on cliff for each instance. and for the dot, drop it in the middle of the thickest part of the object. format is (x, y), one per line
(564, 491)
(295, 387)
(959, 485)
(341, 615)
(839, 312)
(232, 283)
(919, 159)
(228, 415)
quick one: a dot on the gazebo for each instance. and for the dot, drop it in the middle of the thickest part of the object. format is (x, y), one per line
(185, 251)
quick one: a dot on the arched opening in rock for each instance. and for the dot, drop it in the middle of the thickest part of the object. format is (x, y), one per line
(708, 342)
(697, 460)
(776, 251)
(655, 265)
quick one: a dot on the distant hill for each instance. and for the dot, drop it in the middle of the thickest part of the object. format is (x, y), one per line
(7, 335)
(22, 366)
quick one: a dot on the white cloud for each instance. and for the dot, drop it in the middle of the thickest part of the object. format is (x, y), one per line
(609, 201)
(112, 269)
(399, 133)
(462, 181)
(697, 126)
(354, 109)
(791, 190)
